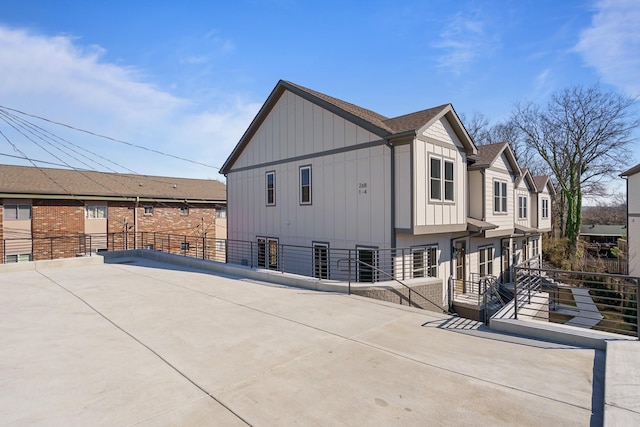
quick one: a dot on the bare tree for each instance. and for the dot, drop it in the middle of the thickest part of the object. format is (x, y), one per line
(583, 134)
(508, 131)
(477, 127)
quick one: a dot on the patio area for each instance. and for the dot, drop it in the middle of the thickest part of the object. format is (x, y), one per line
(148, 343)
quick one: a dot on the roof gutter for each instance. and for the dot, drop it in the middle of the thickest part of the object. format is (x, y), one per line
(108, 198)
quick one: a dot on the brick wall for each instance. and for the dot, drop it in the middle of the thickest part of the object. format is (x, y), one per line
(56, 227)
(166, 219)
(1, 231)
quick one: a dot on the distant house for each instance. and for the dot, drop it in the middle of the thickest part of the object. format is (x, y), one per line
(633, 219)
(409, 196)
(57, 213)
(600, 239)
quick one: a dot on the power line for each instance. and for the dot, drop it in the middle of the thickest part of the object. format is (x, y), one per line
(109, 138)
(44, 162)
(21, 126)
(44, 133)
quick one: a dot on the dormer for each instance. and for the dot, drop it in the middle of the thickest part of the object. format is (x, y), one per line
(545, 192)
(524, 194)
(491, 187)
(431, 154)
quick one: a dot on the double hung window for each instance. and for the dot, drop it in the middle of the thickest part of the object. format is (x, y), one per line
(271, 188)
(545, 208)
(500, 196)
(441, 179)
(522, 207)
(305, 185)
(485, 262)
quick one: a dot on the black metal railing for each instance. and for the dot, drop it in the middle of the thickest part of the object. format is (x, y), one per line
(46, 248)
(317, 261)
(599, 301)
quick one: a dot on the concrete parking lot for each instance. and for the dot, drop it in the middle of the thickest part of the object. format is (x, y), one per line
(148, 343)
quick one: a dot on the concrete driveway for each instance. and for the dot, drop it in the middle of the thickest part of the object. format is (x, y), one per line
(147, 343)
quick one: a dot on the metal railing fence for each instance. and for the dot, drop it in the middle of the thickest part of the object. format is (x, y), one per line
(319, 261)
(599, 301)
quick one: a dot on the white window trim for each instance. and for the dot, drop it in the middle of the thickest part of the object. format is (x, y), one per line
(522, 207)
(452, 181)
(545, 208)
(94, 209)
(305, 202)
(488, 261)
(501, 196)
(442, 180)
(266, 188)
(535, 247)
(433, 179)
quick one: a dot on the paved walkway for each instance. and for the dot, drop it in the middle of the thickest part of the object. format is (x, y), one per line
(146, 343)
(588, 315)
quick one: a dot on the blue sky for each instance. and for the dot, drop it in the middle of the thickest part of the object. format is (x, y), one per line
(187, 78)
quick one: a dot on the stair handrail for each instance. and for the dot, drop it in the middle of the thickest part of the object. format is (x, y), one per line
(373, 267)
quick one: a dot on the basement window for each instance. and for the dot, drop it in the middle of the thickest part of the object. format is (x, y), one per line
(148, 210)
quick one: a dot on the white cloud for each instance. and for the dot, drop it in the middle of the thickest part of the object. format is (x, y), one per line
(464, 39)
(612, 44)
(59, 79)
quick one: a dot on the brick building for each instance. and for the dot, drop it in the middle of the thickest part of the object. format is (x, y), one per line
(57, 213)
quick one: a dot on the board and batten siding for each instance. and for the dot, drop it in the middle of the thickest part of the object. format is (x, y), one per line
(633, 223)
(296, 127)
(543, 224)
(522, 191)
(476, 184)
(440, 141)
(504, 221)
(403, 186)
(351, 190)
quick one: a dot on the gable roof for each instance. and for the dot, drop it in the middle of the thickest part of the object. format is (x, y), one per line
(384, 127)
(526, 176)
(27, 181)
(543, 181)
(489, 153)
(634, 170)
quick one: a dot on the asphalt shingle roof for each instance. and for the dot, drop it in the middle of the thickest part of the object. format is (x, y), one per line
(65, 182)
(414, 121)
(488, 153)
(367, 115)
(376, 123)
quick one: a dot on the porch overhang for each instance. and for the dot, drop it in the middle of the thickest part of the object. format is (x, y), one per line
(478, 226)
(521, 230)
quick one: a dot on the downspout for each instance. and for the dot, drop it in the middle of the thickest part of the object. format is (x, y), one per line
(484, 195)
(393, 194)
(135, 223)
